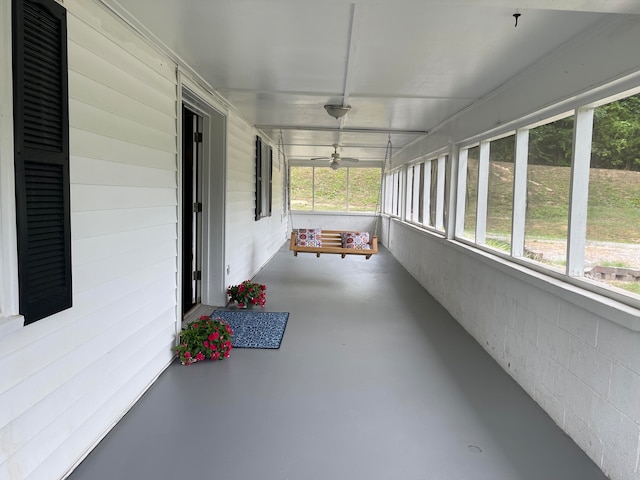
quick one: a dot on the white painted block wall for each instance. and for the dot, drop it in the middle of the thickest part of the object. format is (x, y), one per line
(354, 222)
(582, 368)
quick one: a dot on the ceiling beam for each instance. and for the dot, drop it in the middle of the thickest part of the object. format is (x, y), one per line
(343, 130)
(325, 95)
(356, 20)
(344, 145)
(596, 6)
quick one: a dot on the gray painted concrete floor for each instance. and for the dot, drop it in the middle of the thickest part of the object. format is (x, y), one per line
(374, 380)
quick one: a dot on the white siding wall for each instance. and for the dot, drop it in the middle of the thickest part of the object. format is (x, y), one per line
(249, 243)
(67, 378)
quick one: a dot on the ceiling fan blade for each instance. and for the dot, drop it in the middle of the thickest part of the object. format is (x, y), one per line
(349, 159)
(320, 158)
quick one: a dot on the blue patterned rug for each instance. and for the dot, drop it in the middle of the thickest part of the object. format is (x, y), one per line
(255, 329)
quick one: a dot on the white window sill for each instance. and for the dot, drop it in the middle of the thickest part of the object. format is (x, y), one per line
(10, 324)
(337, 213)
(566, 288)
(602, 305)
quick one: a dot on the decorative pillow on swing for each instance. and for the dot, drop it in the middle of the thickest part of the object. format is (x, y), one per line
(309, 237)
(356, 240)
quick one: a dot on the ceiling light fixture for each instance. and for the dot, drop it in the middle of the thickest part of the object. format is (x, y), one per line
(337, 111)
(334, 165)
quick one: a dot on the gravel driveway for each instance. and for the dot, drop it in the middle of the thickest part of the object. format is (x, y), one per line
(597, 253)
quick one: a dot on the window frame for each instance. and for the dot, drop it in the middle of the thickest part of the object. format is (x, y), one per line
(578, 204)
(10, 319)
(424, 192)
(348, 190)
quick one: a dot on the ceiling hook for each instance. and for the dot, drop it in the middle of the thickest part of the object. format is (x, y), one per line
(516, 16)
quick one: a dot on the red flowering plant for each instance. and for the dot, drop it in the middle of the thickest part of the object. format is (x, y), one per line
(248, 293)
(205, 338)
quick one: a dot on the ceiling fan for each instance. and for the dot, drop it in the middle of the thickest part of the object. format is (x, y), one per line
(335, 157)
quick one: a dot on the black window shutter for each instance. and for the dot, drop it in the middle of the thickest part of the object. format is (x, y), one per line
(258, 178)
(41, 139)
(270, 184)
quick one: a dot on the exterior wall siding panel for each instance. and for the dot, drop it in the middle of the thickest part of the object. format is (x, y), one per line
(69, 377)
(250, 243)
(72, 376)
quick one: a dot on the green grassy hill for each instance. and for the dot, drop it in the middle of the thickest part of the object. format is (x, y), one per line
(614, 199)
(613, 208)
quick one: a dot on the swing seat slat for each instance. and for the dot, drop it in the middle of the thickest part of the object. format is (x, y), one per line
(332, 244)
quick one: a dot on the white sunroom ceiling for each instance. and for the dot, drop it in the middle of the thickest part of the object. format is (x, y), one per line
(404, 67)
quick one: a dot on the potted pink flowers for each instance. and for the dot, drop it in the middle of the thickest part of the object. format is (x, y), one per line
(206, 338)
(247, 293)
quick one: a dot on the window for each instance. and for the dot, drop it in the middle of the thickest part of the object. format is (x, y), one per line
(323, 189)
(301, 180)
(426, 193)
(563, 195)
(471, 192)
(330, 192)
(264, 170)
(433, 193)
(445, 189)
(415, 194)
(421, 199)
(364, 189)
(500, 193)
(392, 187)
(548, 182)
(612, 247)
(413, 181)
(41, 139)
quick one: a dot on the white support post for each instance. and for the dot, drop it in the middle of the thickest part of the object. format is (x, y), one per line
(461, 192)
(393, 192)
(483, 193)
(440, 192)
(519, 192)
(580, 164)
(402, 203)
(397, 193)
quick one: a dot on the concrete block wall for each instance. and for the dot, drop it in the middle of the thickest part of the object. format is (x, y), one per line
(581, 367)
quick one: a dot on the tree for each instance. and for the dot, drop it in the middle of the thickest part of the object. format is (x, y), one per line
(616, 135)
(551, 144)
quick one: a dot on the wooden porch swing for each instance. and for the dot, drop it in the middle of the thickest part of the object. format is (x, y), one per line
(333, 241)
